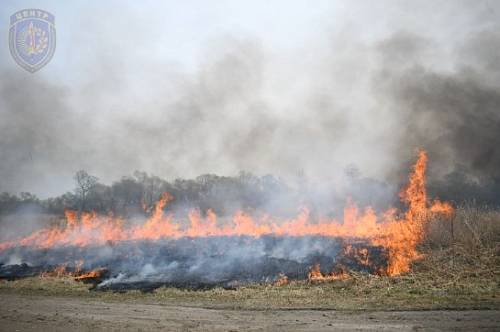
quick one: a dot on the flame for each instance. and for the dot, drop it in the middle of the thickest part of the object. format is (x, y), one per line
(158, 226)
(64, 271)
(58, 272)
(94, 274)
(401, 237)
(315, 275)
(76, 272)
(398, 233)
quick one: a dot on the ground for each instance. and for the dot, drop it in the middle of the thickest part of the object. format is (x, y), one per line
(52, 313)
(447, 291)
(358, 304)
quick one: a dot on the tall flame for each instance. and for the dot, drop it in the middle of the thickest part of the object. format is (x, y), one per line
(400, 233)
(401, 237)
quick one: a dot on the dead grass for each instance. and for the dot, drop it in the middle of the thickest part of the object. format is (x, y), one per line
(472, 227)
(423, 289)
(45, 285)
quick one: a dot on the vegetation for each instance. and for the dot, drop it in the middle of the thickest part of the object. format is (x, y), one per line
(138, 193)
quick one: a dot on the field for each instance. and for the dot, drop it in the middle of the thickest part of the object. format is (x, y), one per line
(452, 287)
(458, 279)
(409, 303)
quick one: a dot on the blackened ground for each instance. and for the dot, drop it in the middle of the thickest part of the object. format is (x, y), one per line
(199, 263)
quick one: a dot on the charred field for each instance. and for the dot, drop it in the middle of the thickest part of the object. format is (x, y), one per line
(197, 263)
(463, 274)
(432, 255)
(436, 283)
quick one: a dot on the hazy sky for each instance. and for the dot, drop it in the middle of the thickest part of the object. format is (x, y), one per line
(183, 88)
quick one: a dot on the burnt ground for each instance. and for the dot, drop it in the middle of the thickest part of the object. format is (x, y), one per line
(199, 263)
(52, 313)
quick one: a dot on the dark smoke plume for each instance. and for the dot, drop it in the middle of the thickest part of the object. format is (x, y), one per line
(348, 100)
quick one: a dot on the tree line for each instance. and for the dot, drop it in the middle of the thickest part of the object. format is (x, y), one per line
(138, 193)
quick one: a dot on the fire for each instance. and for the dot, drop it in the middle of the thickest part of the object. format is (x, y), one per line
(76, 272)
(64, 271)
(158, 226)
(315, 274)
(92, 275)
(58, 272)
(398, 233)
(401, 237)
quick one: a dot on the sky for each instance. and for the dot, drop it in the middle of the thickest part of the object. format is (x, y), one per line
(179, 89)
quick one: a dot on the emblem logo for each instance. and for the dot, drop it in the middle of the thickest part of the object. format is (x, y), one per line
(32, 38)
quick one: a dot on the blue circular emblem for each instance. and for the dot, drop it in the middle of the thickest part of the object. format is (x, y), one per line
(32, 38)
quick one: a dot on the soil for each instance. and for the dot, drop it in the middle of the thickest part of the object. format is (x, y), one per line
(71, 313)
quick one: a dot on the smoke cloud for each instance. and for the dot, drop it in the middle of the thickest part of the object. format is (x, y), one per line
(350, 96)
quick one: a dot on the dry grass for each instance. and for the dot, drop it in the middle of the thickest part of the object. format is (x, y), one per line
(417, 291)
(472, 227)
(460, 270)
(465, 248)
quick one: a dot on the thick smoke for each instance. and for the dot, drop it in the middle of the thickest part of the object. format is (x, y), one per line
(348, 100)
(453, 114)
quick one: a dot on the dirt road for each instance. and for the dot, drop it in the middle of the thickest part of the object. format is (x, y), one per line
(39, 313)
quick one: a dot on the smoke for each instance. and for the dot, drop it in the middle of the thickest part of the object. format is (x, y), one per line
(347, 97)
(195, 263)
(453, 114)
(22, 222)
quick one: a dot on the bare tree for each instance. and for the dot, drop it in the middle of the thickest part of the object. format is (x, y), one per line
(85, 183)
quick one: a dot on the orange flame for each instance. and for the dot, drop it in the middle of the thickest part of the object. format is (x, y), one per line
(315, 275)
(94, 274)
(399, 235)
(58, 272)
(64, 271)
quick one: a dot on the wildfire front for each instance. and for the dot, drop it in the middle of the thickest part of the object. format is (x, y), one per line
(114, 254)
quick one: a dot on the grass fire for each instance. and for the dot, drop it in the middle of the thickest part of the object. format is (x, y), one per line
(238, 251)
(250, 165)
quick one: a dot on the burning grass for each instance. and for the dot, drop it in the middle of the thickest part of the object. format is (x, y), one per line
(389, 242)
(448, 277)
(429, 257)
